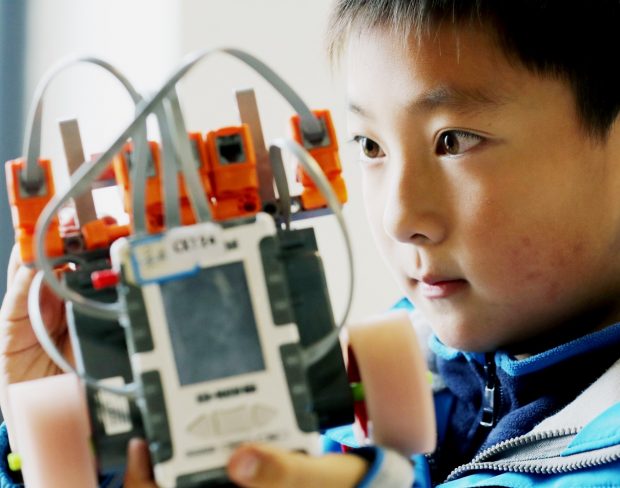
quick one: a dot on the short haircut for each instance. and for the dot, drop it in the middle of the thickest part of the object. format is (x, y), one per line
(576, 41)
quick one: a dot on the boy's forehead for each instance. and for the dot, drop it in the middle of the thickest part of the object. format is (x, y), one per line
(462, 68)
(457, 98)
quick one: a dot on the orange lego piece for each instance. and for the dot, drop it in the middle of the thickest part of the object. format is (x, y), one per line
(153, 192)
(312, 198)
(107, 175)
(326, 154)
(101, 233)
(233, 172)
(26, 209)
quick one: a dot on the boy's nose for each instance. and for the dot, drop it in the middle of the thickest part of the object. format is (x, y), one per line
(413, 211)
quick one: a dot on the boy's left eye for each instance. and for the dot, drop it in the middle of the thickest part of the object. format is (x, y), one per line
(455, 142)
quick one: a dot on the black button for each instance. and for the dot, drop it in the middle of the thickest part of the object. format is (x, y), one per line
(204, 397)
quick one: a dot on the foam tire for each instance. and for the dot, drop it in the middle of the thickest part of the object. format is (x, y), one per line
(397, 396)
(50, 428)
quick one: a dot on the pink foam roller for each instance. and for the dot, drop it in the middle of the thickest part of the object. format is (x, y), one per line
(51, 429)
(397, 394)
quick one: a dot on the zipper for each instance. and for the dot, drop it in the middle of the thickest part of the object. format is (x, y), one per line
(489, 397)
(478, 462)
(490, 406)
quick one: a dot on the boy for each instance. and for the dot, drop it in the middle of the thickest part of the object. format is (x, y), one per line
(490, 151)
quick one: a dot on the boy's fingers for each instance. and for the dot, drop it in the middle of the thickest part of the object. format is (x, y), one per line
(14, 310)
(254, 466)
(15, 303)
(139, 473)
(14, 262)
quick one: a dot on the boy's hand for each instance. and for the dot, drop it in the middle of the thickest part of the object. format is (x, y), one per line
(139, 473)
(262, 466)
(21, 356)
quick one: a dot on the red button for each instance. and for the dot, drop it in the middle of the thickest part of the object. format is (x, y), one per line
(104, 279)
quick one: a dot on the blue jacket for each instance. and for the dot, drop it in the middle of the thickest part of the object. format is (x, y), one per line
(577, 447)
(556, 424)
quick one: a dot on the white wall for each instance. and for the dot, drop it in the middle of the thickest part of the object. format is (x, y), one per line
(139, 37)
(147, 38)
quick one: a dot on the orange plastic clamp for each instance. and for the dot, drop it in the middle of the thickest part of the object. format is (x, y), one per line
(152, 194)
(108, 174)
(233, 173)
(27, 208)
(101, 233)
(326, 154)
(153, 191)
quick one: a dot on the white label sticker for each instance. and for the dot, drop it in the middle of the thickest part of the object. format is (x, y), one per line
(179, 251)
(113, 411)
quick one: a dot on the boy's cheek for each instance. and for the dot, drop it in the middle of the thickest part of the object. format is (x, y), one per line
(374, 205)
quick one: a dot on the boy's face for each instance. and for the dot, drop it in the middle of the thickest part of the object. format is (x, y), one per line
(498, 215)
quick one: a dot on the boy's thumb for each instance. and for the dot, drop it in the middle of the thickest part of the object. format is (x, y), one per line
(139, 472)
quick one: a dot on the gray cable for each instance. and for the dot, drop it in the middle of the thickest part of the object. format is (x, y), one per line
(310, 125)
(32, 177)
(320, 348)
(169, 171)
(47, 343)
(82, 177)
(86, 173)
(183, 150)
(138, 175)
(80, 181)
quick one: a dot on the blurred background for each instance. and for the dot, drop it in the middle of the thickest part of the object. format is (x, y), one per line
(146, 39)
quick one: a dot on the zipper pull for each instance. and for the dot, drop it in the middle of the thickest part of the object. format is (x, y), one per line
(488, 398)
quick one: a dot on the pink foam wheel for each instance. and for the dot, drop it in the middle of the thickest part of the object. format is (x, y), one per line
(50, 427)
(397, 396)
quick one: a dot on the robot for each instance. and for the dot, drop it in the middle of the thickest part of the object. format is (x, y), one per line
(207, 321)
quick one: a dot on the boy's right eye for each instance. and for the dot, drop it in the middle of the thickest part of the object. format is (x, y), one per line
(369, 148)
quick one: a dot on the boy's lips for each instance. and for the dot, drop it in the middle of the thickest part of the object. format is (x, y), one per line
(434, 287)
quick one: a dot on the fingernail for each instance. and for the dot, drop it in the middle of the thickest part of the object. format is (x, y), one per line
(247, 467)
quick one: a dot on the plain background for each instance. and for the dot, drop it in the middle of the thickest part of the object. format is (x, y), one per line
(12, 73)
(146, 39)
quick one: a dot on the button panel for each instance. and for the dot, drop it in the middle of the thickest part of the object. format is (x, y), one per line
(156, 418)
(232, 421)
(276, 282)
(263, 414)
(298, 387)
(140, 330)
(202, 426)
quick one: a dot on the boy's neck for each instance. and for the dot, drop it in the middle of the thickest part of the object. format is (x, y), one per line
(592, 320)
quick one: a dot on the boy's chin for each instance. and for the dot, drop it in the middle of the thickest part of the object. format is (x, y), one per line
(469, 341)
(463, 329)
(483, 341)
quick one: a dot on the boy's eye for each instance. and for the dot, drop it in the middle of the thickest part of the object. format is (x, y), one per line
(370, 149)
(455, 142)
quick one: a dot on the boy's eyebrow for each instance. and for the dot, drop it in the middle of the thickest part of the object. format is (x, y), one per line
(465, 100)
(462, 99)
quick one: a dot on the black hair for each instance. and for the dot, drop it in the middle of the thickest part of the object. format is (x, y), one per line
(574, 40)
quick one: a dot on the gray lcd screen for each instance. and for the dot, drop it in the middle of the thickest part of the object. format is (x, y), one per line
(212, 325)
